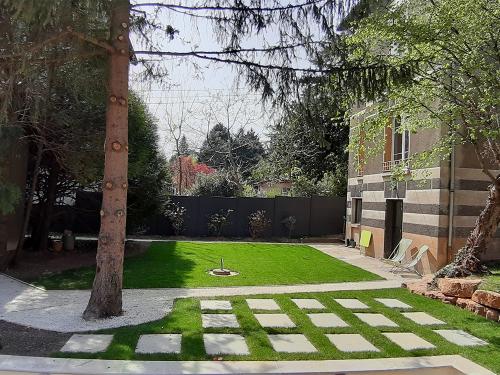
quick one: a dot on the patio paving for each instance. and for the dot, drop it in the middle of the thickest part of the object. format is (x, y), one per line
(351, 342)
(459, 337)
(219, 321)
(308, 303)
(262, 304)
(274, 320)
(213, 304)
(220, 343)
(327, 320)
(351, 303)
(159, 343)
(423, 318)
(79, 343)
(376, 320)
(291, 343)
(408, 341)
(393, 303)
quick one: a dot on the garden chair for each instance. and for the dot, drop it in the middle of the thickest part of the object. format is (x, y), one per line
(411, 263)
(398, 254)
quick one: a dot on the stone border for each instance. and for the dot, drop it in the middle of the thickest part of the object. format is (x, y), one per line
(37, 365)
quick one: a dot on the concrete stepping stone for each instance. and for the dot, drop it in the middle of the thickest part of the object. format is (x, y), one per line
(308, 303)
(291, 343)
(393, 303)
(159, 343)
(81, 343)
(274, 320)
(351, 303)
(351, 342)
(219, 321)
(408, 341)
(376, 320)
(422, 318)
(213, 304)
(327, 320)
(262, 304)
(223, 343)
(459, 337)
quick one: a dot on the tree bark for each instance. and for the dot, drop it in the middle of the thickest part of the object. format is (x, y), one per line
(468, 259)
(46, 219)
(106, 296)
(29, 206)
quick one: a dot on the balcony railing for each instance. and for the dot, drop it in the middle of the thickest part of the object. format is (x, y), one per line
(398, 159)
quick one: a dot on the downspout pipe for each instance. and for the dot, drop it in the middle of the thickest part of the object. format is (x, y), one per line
(451, 203)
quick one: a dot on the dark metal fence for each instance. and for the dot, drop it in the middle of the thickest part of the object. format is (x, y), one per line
(315, 216)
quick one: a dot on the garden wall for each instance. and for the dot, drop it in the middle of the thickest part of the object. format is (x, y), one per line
(316, 216)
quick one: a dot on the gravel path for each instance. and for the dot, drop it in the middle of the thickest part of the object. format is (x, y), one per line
(60, 310)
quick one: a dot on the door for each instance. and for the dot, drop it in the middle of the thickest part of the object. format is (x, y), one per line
(393, 225)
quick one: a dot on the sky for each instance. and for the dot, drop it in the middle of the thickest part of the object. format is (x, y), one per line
(198, 91)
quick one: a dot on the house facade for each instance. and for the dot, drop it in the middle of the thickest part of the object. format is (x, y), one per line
(437, 206)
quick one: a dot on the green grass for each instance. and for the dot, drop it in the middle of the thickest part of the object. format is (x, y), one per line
(185, 264)
(186, 319)
(492, 282)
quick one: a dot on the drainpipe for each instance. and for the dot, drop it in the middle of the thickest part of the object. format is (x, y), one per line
(451, 203)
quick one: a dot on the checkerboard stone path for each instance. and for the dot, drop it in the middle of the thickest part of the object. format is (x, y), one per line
(393, 303)
(459, 337)
(274, 320)
(159, 343)
(81, 343)
(220, 343)
(213, 304)
(375, 320)
(291, 343)
(219, 321)
(308, 303)
(423, 318)
(408, 340)
(262, 304)
(351, 303)
(327, 320)
(351, 342)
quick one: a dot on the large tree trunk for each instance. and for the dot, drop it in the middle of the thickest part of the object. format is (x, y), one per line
(46, 219)
(468, 259)
(106, 296)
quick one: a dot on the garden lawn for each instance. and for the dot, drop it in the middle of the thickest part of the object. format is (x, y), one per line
(185, 264)
(492, 282)
(186, 319)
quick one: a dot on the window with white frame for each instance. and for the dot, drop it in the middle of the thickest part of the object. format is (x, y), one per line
(400, 141)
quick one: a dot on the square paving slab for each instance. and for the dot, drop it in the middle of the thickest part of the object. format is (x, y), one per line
(87, 343)
(213, 304)
(351, 342)
(262, 304)
(408, 341)
(351, 303)
(159, 343)
(393, 303)
(308, 303)
(423, 318)
(219, 321)
(327, 320)
(219, 343)
(460, 338)
(291, 343)
(275, 320)
(376, 320)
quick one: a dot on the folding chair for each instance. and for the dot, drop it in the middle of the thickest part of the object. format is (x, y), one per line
(411, 263)
(398, 254)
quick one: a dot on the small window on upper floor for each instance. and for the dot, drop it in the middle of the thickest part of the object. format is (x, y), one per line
(357, 209)
(400, 141)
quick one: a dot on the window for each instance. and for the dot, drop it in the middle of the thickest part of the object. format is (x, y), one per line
(357, 207)
(397, 144)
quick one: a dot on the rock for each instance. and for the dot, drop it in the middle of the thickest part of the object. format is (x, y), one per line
(487, 298)
(475, 307)
(418, 287)
(462, 302)
(435, 294)
(492, 314)
(462, 288)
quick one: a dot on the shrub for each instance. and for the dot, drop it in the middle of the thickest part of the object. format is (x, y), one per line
(176, 214)
(218, 221)
(258, 223)
(289, 222)
(217, 184)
